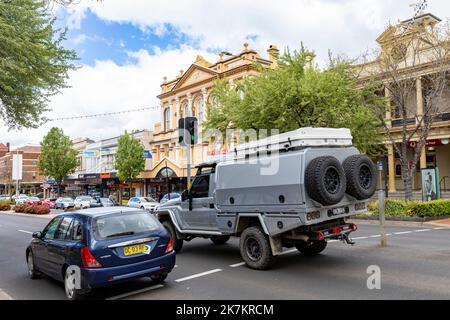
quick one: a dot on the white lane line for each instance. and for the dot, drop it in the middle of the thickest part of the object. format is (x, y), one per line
(132, 293)
(198, 275)
(4, 295)
(403, 232)
(439, 228)
(25, 231)
(176, 266)
(359, 238)
(375, 236)
(237, 264)
(422, 230)
(288, 251)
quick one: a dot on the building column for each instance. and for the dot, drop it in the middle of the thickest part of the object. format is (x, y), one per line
(388, 116)
(419, 101)
(391, 168)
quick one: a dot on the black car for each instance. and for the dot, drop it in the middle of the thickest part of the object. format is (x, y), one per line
(101, 246)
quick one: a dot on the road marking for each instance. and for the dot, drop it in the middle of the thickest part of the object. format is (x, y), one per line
(439, 228)
(132, 293)
(422, 230)
(359, 238)
(25, 231)
(4, 295)
(403, 232)
(375, 236)
(237, 264)
(198, 275)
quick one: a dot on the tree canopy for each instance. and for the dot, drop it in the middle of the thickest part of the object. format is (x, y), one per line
(298, 95)
(130, 161)
(58, 157)
(34, 64)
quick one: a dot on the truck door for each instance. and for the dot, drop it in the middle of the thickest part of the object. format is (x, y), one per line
(202, 213)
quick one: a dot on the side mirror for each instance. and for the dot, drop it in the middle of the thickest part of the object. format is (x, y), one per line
(37, 235)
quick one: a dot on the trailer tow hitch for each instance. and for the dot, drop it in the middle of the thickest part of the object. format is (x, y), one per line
(345, 238)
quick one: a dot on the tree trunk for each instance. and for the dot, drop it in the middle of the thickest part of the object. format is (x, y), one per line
(407, 180)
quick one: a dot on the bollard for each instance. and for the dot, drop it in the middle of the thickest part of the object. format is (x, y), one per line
(382, 218)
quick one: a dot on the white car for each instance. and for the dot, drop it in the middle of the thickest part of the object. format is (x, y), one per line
(83, 202)
(21, 199)
(145, 203)
(64, 203)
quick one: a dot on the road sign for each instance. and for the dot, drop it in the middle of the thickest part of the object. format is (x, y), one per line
(380, 165)
(17, 167)
(148, 154)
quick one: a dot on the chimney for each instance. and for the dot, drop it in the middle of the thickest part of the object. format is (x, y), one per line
(274, 53)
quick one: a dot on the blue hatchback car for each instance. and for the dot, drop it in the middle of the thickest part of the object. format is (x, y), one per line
(100, 246)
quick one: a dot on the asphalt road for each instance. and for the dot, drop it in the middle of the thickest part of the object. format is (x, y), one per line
(415, 265)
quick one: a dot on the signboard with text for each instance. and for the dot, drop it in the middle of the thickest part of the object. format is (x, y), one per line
(17, 167)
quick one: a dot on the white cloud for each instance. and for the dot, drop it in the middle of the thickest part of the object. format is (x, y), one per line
(344, 26)
(108, 87)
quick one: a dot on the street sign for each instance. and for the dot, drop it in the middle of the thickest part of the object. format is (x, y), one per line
(17, 167)
(380, 165)
(430, 184)
(148, 154)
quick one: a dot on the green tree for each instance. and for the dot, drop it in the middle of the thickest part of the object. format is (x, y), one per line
(58, 157)
(296, 95)
(130, 161)
(34, 64)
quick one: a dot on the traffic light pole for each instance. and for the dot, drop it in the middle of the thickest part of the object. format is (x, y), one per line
(188, 153)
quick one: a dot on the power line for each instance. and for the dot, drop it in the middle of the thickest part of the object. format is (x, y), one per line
(105, 114)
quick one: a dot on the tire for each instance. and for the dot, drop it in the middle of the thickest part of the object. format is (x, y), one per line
(255, 249)
(69, 287)
(325, 180)
(33, 273)
(177, 243)
(218, 240)
(312, 248)
(361, 176)
(158, 278)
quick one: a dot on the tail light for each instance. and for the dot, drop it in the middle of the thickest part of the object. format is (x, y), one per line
(169, 247)
(319, 236)
(353, 226)
(336, 230)
(88, 259)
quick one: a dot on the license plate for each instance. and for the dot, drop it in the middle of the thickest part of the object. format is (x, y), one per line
(133, 250)
(338, 211)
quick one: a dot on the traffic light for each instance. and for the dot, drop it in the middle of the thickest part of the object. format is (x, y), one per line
(188, 131)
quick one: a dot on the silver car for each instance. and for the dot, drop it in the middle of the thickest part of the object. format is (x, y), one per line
(64, 203)
(145, 203)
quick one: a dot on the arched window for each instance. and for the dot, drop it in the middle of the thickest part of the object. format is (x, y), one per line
(183, 109)
(166, 119)
(199, 109)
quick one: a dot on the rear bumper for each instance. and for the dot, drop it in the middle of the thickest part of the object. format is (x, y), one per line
(92, 278)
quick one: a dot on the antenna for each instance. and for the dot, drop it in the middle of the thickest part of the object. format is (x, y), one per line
(419, 8)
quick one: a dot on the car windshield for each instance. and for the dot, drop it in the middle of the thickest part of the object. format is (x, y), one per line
(105, 200)
(123, 224)
(147, 199)
(67, 199)
(34, 199)
(86, 198)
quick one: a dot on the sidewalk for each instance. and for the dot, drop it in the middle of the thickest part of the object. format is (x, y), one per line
(45, 216)
(435, 223)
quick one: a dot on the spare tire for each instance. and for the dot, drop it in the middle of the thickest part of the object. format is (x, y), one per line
(361, 176)
(325, 180)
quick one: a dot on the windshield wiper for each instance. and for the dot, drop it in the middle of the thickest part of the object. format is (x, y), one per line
(127, 233)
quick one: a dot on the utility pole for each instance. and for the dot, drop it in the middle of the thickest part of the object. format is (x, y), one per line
(188, 151)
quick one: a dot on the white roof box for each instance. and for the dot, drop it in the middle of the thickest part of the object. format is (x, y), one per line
(303, 137)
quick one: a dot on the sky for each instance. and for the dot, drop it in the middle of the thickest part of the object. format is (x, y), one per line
(127, 47)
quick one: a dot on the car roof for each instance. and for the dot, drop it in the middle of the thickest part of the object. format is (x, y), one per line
(100, 211)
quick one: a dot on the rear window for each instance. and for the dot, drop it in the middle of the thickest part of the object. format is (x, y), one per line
(123, 224)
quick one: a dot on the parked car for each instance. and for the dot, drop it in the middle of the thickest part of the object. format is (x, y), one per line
(20, 199)
(145, 203)
(4, 197)
(64, 203)
(170, 196)
(40, 195)
(101, 246)
(49, 203)
(33, 201)
(83, 202)
(106, 202)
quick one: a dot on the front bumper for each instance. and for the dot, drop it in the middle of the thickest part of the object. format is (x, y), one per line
(98, 277)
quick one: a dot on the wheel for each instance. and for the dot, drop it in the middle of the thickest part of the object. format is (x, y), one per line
(69, 286)
(142, 208)
(33, 273)
(325, 180)
(177, 243)
(312, 248)
(218, 240)
(255, 249)
(361, 176)
(158, 278)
